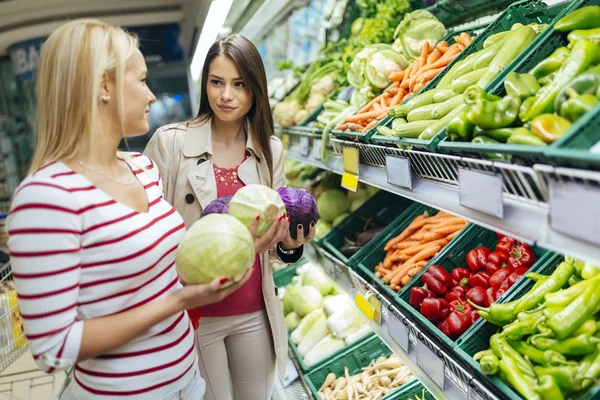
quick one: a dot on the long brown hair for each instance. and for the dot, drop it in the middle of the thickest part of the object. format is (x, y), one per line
(245, 55)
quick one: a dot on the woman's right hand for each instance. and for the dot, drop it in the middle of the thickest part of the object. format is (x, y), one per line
(277, 232)
(198, 295)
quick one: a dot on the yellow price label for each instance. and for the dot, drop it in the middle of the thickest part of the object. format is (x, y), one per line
(374, 301)
(351, 160)
(364, 306)
(350, 181)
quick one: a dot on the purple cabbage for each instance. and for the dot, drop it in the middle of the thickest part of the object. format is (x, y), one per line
(301, 207)
(217, 206)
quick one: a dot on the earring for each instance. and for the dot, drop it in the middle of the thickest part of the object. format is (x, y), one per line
(104, 99)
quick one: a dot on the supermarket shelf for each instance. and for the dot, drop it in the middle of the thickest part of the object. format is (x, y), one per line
(458, 383)
(525, 221)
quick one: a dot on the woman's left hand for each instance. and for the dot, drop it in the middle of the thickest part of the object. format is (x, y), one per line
(289, 243)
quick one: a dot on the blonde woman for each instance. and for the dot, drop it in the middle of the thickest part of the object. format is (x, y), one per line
(92, 240)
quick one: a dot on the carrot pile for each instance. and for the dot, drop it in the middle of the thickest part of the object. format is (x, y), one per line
(406, 83)
(412, 249)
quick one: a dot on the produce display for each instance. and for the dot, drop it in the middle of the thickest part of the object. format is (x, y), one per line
(540, 106)
(425, 115)
(447, 298)
(257, 200)
(377, 380)
(547, 347)
(412, 249)
(321, 321)
(382, 17)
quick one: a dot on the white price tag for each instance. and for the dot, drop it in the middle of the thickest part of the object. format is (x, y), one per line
(473, 395)
(291, 374)
(481, 191)
(304, 146)
(398, 171)
(316, 148)
(430, 363)
(574, 210)
(398, 331)
(329, 268)
(357, 283)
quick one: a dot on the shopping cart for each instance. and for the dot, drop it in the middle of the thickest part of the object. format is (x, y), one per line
(16, 382)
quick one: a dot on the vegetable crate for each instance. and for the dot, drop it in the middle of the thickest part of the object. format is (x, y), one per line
(355, 360)
(525, 12)
(383, 208)
(374, 252)
(451, 257)
(284, 276)
(366, 137)
(477, 338)
(547, 42)
(454, 12)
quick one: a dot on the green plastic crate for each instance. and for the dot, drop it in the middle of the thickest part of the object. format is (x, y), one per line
(477, 338)
(549, 41)
(374, 254)
(525, 12)
(284, 276)
(365, 137)
(355, 360)
(383, 207)
(454, 12)
(451, 257)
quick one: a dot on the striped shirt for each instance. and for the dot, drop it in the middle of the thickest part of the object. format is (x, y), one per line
(78, 254)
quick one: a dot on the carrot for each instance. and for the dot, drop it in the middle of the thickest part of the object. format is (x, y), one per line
(428, 236)
(442, 46)
(396, 76)
(396, 276)
(354, 127)
(397, 99)
(406, 280)
(418, 86)
(425, 50)
(392, 91)
(452, 221)
(383, 102)
(362, 116)
(431, 73)
(459, 39)
(377, 107)
(404, 245)
(382, 115)
(372, 124)
(434, 56)
(467, 39)
(341, 127)
(417, 223)
(446, 230)
(453, 235)
(461, 46)
(367, 106)
(446, 58)
(402, 257)
(416, 249)
(425, 253)
(406, 97)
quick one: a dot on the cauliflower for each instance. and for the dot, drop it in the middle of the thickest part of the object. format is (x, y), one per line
(324, 86)
(300, 116)
(314, 101)
(285, 112)
(383, 65)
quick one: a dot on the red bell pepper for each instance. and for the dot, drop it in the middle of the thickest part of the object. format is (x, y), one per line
(456, 293)
(490, 295)
(500, 276)
(459, 275)
(418, 294)
(522, 255)
(477, 295)
(437, 279)
(481, 279)
(499, 293)
(443, 326)
(517, 273)
(459, 319)
(435, 310)
(477, 258)
(496, 260)
(505, 243)
(474, 316)
(505, 284)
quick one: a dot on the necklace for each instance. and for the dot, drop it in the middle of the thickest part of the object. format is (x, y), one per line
(106, 175)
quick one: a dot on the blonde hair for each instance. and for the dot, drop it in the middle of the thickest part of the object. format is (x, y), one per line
(73, 62)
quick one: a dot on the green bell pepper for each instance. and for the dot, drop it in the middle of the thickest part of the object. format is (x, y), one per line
(500, 134)
(473, 93)
(549, 127)
(584, 54)
(551, 64)
(525, 106)
(489, 364)
(578, 311)
(586, 83)
(489, 140)
(577, 105)
(564, 376)
(460, 128)
(575, 346)
(545, 81)
(522, 86)
(587, 34)
(548, 389)
(494, 114)
(548, 358)
(584, 18)
(589, 271)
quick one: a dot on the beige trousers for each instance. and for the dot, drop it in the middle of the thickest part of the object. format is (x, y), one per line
(236, 354)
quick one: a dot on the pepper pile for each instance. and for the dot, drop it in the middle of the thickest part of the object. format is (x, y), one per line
(447, 298)
(415, 246)
(548, 346)
(541, 105)
(430, 112)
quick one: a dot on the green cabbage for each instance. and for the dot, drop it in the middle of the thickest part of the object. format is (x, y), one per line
(306, 300)
(305, 325)
(416, 28)
(216, 246)
(322, 350)
(322, 229)
(316, 278)
(355, 205)
(317, 332)
(332, 203)
(257, 200)
(339, 219)
(292, 320)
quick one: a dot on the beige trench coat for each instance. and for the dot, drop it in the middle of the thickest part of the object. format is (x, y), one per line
(183, 156)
